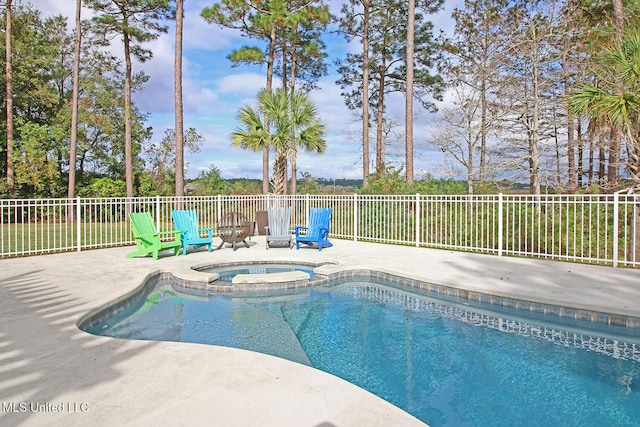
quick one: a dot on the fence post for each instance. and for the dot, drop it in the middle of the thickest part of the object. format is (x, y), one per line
(78, 228)
(616, 199)
(500, 223)
(634, 230)
(157, 215)
(417, 221)
(355, 217)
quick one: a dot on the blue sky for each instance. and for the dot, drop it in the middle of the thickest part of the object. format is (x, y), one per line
(213, 93)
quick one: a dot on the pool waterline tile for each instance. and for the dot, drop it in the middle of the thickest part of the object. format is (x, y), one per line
(202, 288)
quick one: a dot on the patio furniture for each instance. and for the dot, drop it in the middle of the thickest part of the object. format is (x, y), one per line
(278, 231)
(190, 234)
(262, 220)
(148, 239)
(317, 229)
(234, 228)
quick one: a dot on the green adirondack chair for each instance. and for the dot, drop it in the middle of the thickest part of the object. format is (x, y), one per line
(317, 229)
(190, 234)
(148, 238)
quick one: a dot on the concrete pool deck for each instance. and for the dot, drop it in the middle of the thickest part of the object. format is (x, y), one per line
(52, 373)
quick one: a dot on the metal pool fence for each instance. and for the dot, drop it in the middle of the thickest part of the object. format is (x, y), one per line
(598, 229)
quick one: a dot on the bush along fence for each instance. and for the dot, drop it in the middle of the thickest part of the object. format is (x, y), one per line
(598, 229)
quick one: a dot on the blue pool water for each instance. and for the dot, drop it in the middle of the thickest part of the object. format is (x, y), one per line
(445, 363)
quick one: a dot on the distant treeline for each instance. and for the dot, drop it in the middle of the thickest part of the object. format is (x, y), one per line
(342, 182)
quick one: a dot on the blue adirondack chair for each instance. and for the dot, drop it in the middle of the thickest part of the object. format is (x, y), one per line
(190, 234)
(317, 229)
(148, 239)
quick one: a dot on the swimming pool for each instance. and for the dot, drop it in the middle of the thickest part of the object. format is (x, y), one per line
(444, 362)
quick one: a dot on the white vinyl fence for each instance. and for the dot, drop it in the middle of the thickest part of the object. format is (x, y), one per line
(599, 229)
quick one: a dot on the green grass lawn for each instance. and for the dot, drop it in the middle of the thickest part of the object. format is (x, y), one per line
(33, 238)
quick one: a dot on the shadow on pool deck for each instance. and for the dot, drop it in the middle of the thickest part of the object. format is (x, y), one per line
(46, 360)
(33, 372)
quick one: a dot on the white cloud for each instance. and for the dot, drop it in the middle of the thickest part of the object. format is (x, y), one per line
(58, 7)
(242, 84)
(200, 35)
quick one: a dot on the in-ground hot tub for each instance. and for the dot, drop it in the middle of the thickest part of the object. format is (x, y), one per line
(247, 276)
(227, 272)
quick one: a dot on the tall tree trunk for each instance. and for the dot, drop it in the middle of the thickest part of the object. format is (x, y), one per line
(571, 155)
(534, 166)
(618, 14)
(470, 165)
(484, 107)
(283, 162)
(602, 158)
(128, 150)
(177, 73)
(365, 94)
(557, 144)
(280, 172)
(580, 171)
(483, 130)
(269, 87)
(285, 52)
(9, 77)
(534, 139)
(265, 170)
(293, 153)
(591, 166)
(380, 143)
(613, 164)
(293, 156)
(73, 140)
(613, 171)
(409, 94)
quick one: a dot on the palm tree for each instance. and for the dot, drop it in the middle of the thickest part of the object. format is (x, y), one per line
(282, 123)
(615, 107)
(307, 131)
